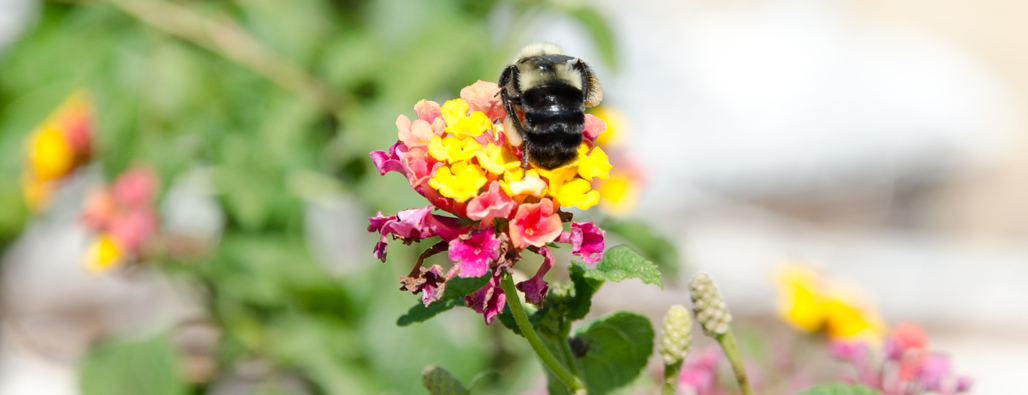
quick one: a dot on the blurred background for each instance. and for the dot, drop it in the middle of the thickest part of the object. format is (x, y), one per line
(883, 142)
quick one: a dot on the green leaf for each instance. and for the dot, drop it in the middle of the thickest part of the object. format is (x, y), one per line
(623, 262)
(840, 389)
(600, 30)
(456, 289)
(618, 348)
(651, 245)
(580, 304)
(137, 368)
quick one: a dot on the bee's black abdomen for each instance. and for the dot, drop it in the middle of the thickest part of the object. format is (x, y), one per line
(554, 118)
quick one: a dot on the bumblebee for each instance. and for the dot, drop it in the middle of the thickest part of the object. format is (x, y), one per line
(545, 94)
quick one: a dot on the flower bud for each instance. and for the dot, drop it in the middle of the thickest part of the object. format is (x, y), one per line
(440, 382)
(708, 306)
(674, 344)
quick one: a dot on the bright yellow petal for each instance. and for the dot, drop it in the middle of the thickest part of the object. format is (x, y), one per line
(472, 126)
(496, 159)
(453, 111)
(104, 255)
(593, 164)
(576, 193)
(50, 155)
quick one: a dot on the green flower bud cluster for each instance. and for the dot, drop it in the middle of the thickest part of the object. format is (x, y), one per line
(709, 307)
(440, 382)
(674, 344)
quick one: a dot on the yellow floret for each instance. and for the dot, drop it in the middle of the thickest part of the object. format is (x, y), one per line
(452, 149)
(593, 164)
(460, 181)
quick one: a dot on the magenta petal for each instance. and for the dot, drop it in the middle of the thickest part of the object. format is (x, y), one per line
(586, 241)
(489, 300)
(535, 288)
(473, 254)
(388, 161)
(447, 228)
(412, 223)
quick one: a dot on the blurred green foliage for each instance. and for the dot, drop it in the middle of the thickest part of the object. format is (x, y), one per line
(173, 93)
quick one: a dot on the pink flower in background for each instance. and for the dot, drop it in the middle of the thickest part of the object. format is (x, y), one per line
(123, 216)
(699, 373)
(908, 367)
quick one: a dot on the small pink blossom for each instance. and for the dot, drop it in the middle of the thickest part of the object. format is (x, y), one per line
(593, 127)
(492, 204)
(484, 96)
(535, 288)
(135, 187)
(489, 300)
(134, 228)
(428, 110)
(418, 166)
(699, 372)
(414, 134)
(535, 224)
(586, 241)
(473, 253)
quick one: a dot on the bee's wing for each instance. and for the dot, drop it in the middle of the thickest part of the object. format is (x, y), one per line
(593, 89)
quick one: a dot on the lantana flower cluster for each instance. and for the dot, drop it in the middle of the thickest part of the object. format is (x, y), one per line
(905, 365)
(457, 156)
(56, 147)
(123, 219)
(812, 302)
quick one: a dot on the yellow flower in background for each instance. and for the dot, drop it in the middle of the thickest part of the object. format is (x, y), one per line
(614, 135)
(810, 303)
(619, 192)
(460, 181)
(56, 147)
(103, 255)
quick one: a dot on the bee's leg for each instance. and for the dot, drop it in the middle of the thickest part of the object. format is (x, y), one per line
(524, 159)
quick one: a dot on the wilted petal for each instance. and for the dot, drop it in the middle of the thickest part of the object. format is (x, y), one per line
(434, 285)
(489, 300)
(473, 253)
(535, 288)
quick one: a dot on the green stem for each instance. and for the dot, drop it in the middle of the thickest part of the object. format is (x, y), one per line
(727, 341)
(572, 382)
(671, 378)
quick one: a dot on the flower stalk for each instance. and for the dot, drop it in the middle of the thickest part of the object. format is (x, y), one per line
(727, 342)
(712, 313)
(573, 383)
